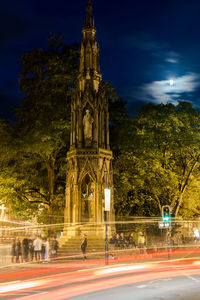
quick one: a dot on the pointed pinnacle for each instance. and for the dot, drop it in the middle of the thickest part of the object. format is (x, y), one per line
(89, 17)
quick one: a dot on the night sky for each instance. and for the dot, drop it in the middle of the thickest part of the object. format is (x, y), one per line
(143, 45)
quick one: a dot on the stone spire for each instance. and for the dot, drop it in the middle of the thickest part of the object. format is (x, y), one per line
(89, 57)
(89, 157)
(89, 19)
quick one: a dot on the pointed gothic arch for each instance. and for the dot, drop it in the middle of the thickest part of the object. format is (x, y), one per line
(87, 198)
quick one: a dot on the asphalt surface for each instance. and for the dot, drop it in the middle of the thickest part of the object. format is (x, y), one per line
(144, 279)
(181, 288)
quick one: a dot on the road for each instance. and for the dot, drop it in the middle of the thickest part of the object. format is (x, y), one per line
(175, 279)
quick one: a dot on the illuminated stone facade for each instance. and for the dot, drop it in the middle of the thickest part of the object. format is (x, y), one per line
(89, 160)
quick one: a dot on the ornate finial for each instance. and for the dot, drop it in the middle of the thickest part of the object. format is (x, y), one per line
(89, 20)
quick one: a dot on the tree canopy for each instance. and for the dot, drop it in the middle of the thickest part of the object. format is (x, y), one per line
(159, 164)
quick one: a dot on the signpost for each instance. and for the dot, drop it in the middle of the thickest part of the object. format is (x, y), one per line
(166, 224)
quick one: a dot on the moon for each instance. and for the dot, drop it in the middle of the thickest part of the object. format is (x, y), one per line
(171, 82)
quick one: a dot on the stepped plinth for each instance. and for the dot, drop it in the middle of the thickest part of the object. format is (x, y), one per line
(72, 237)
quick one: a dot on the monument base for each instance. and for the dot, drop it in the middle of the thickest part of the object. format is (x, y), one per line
(72, 237)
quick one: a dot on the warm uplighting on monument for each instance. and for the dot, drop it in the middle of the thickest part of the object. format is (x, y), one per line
(89, 159)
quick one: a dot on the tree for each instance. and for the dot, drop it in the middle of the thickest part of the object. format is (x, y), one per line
(41, 133)
(159, 162)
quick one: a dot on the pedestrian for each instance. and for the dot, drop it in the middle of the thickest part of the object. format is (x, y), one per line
(54, 246)
(25, 245)
(31, 249)
(122, 241)
(37, 244)
(18, 250)
(131, 242)
(141, 242)
(117, 241)
(43, 249)
(84, 246)
(46, 255)
(13, 251)
(196, 235)
(113, 239)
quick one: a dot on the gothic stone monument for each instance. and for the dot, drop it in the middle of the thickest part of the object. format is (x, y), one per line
(89, 160)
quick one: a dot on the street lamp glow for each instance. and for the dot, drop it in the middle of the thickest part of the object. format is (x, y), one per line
(171, 82)
(107, 199)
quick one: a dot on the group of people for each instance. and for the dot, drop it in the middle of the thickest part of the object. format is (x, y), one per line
(119, 240)
(122, 241)
(29, 249)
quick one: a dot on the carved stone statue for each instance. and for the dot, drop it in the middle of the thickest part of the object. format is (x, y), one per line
(87, 125)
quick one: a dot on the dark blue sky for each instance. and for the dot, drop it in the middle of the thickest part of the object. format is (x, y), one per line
(143, 45)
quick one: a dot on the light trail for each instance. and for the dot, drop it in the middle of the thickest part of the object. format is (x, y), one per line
(20, 286)
(85, 288)
(66, 285)
(120, 269)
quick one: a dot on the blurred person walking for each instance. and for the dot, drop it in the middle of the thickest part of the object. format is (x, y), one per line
(141, 242)
(54, 246)
(122, 241)
(18, 250)
(84, 246)
(131, 242)
(46, 255)
(13, 251)
(31, 249)
(25, 246)
(37, 244)
(43, 248)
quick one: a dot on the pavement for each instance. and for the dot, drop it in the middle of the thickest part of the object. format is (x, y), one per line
(5, 257)
(118, 256)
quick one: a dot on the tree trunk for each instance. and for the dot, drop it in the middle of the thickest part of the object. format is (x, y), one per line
(180, 200)
(51, 180)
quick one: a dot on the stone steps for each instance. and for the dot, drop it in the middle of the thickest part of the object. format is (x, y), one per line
(73, 245)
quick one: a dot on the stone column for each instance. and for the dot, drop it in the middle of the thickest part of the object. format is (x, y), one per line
(95, 128)
(107, 131)
(76, 204)
(71, 132)
(67, 205)
(73, 127)
(100, 129)
(80, 129)
(103, 128)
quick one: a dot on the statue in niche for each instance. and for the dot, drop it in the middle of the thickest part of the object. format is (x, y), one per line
(87, 125)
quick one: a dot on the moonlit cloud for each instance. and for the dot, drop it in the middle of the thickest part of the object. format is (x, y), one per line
(162, 92)
(167, 55)
(172, 60)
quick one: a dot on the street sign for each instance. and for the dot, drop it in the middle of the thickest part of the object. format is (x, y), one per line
(163, 225)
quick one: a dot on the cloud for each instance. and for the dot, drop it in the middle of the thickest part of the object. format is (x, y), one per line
(145, 42)
(162, 92)
(172, 60)
(168, 56)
